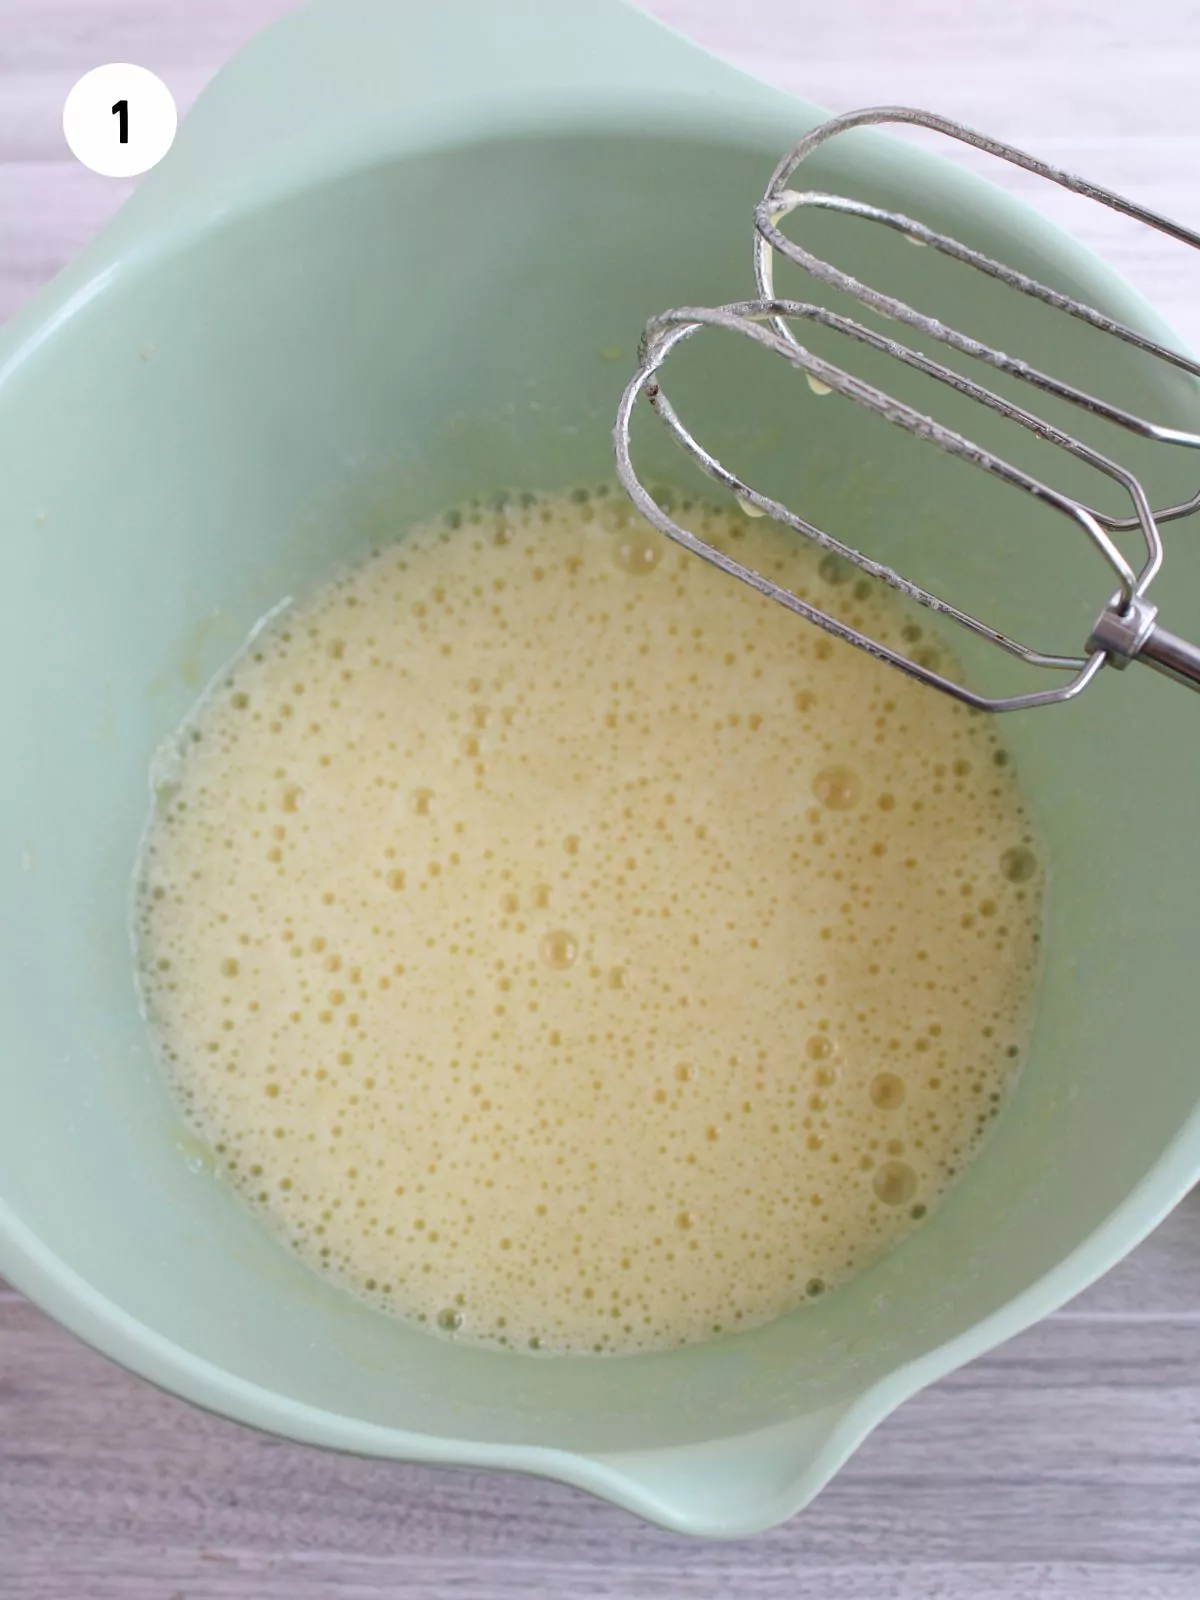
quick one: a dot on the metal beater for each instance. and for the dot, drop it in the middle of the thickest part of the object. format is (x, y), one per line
(1128, 628)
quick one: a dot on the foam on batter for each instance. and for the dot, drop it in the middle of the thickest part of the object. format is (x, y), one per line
(568, 948)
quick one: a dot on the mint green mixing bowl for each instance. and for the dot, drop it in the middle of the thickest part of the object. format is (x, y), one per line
(383, 269)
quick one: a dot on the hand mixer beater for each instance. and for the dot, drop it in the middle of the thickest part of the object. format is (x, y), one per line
(1128, 628)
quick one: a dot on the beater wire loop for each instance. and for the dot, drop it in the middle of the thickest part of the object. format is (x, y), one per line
(1127, 628)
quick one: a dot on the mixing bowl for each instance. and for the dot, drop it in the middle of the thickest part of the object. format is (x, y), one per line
(399, 256)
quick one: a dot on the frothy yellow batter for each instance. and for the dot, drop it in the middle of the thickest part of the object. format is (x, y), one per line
(566, 947)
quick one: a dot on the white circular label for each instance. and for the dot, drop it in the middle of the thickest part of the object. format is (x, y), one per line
(120, 120)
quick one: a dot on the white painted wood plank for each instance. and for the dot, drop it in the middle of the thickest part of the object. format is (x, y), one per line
(215, 1575)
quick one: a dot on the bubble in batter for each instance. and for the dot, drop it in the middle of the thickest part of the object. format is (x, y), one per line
(564, 947)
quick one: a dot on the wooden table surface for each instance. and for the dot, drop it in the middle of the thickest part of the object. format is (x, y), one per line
(1064, 1466)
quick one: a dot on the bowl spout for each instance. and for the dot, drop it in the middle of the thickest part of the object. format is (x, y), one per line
(731, 1488)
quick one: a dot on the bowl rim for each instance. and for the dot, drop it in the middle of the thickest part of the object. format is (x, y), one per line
(35, 1270)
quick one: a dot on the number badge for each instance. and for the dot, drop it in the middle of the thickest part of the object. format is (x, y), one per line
(120, 120)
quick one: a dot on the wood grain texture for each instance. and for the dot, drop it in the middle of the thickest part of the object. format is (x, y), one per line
(1065, 1465)
(1072, 1453)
